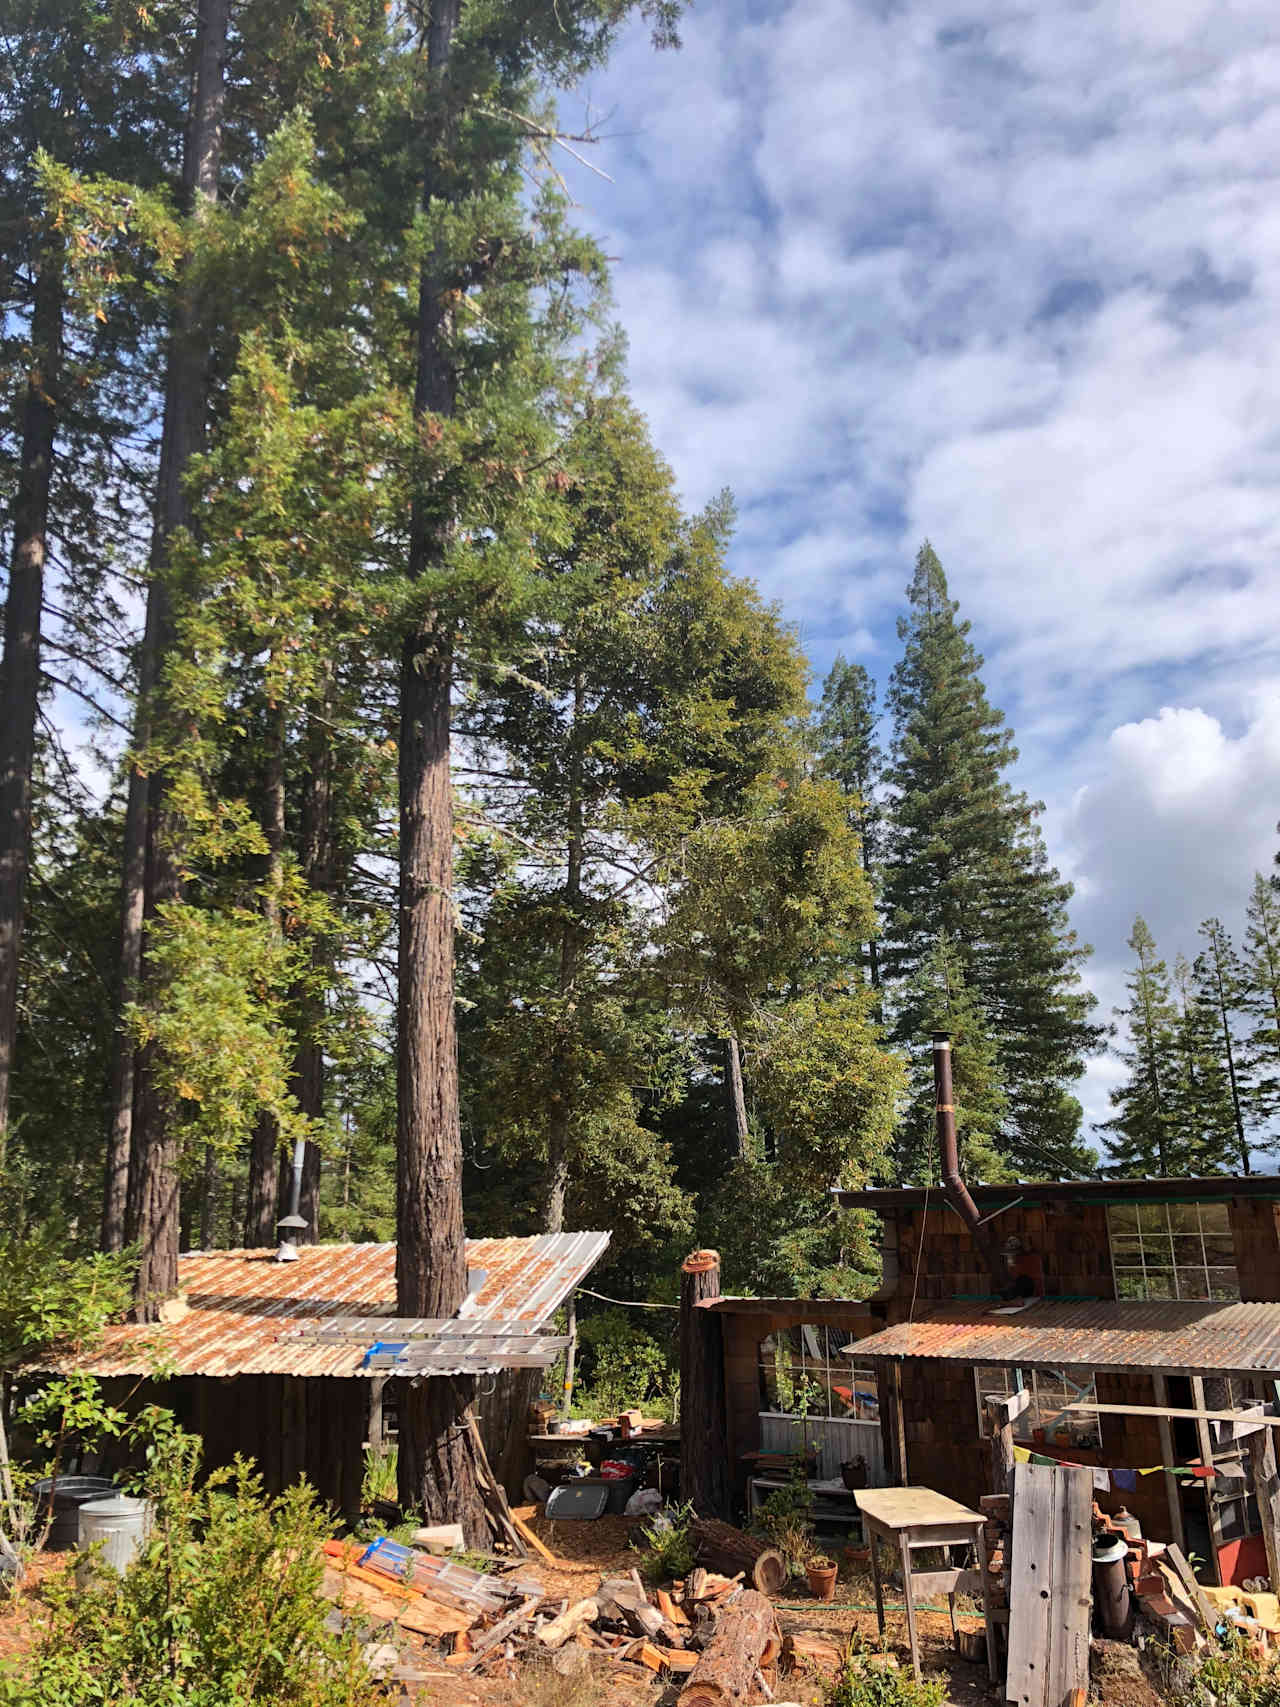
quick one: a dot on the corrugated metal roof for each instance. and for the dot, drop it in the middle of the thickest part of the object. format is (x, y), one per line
(1208, 1188)
(243, 1313)
(1178, 1338)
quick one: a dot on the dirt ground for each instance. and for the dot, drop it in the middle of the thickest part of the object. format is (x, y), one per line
(586, 1552)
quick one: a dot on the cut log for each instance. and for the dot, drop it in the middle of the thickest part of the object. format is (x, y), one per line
(558, 1631)
(721, 1547)
(726, 1670)
(806, 1649)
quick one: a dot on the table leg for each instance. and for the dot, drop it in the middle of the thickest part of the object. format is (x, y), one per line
(904, 1548)
(875, 1577)
(992, 1664)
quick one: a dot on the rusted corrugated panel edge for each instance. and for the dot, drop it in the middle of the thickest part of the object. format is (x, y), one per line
(1107, 1336)
(243, 1313)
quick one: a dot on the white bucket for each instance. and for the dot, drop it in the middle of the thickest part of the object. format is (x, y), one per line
(121, 1524)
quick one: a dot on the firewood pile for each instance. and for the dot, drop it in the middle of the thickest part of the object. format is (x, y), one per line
(713, 1632)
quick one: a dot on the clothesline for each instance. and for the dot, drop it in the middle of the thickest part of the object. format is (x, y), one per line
(1122, 1479)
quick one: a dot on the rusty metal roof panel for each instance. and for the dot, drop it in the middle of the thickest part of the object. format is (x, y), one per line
(243, 1313)
(1110, 1336)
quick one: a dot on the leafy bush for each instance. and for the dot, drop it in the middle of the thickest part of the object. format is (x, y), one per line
(785, 1519)
(861, 1683)
(379, 1480)
(221, 1609)
(667, 1547)
(1233, 1677)
(625, 1367)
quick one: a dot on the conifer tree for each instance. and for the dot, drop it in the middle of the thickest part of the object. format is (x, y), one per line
(845, 737)
(1260, 997)
(964, 858)
(1147, 1141)
(1219, 979)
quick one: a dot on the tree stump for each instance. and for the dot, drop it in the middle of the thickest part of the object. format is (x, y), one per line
(746, 1641)
(721, 1547)
(704, 1433)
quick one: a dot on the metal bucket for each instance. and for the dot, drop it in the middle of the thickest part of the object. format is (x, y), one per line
(121, 1524)
(69, 1494)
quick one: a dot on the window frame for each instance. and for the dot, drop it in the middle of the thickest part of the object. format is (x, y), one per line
(830, 1367)
(1160, 1226)
(997, 1378)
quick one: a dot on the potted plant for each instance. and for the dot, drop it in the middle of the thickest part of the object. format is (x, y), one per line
(820, 1572)
(853, 1473)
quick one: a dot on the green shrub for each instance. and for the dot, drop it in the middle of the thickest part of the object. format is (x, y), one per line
(861, 1683)
(221, 1609)
(667, 1548)
(1232, 1677)
(379, 1482)
(624, 1368)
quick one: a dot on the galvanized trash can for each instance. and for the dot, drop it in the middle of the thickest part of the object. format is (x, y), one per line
(121, 1524)
(69, 1494)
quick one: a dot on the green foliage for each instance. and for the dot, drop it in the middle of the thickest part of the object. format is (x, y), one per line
(52, 1300)
(861, 1683)
(1147, 1140)
(222, 1607)
(785, 1517)
(624, 1367)
(1231, 1676)
(379, 1479)
(666, 1547)
(964, 861)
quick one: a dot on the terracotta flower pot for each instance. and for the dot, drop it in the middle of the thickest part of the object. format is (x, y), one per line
(853, 1473)
(822, 1580)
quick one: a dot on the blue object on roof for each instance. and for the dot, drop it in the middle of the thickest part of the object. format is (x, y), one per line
(382, 1354)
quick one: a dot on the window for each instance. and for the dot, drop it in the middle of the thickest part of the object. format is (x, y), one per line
(1172, 1250)
(809, 1370)
(1046, 1420)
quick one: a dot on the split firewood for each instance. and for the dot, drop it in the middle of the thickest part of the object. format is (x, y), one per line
(488, 1640)
(721, 1547)
(746, 1641)
(806, 1648)
(695, 1584)
(668, 1608)
(558, 1631)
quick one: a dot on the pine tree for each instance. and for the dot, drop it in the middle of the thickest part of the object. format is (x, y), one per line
(845, 737)
(946, 1003)
(1199, 1100)
(1219, 982)
(1147, 1141)
(1260, 998)
(964, 859)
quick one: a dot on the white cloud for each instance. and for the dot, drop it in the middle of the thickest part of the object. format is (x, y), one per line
(1008, 277)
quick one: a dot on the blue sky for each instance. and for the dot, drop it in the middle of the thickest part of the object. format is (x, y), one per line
(1006, 276)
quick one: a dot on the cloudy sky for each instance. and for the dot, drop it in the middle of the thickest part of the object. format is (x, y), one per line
(1009, 277)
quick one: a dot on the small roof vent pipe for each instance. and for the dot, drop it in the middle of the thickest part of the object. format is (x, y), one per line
(294, 1222)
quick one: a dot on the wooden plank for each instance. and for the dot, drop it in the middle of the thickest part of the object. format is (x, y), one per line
(1049, 1580)
(1266, 1487)
(1199, 1600)
(1205, 1440)
(1172, 1489)
(1189, 1415)
(526, 1534)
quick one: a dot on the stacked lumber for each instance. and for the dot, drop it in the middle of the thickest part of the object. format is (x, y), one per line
(713, 1633)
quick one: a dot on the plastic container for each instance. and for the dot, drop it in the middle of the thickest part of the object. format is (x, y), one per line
(69, 1494)
(617, 1490)
(120, 1523)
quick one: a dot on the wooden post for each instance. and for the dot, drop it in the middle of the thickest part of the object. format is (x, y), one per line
(1266, 1486)
(899, 1424)
(704, 1422)
(571, 1351)
(999, 1410)
(1206, 1457)
(1173, 1491)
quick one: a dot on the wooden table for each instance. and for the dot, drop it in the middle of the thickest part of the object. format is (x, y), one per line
(907, 1518)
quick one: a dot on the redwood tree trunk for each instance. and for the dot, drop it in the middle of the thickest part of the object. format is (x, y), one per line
(704, 1445)
(154, 1159)
(20, 676)
(560, 1115)
(438, 1463)
(319, 872)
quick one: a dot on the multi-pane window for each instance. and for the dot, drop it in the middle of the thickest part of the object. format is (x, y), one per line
(1172, 1250)
(808, 1370)
(1047, 1420)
